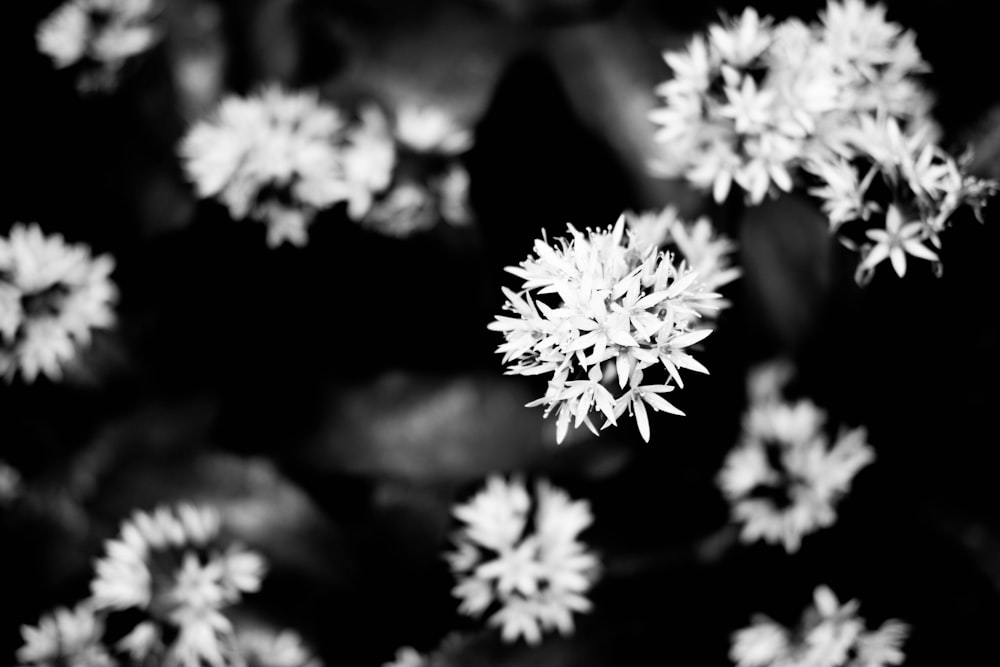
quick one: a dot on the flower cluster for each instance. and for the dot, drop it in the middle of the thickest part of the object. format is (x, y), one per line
(833, 105)
(830, 635)
(171, 572)
(52, 296)
(430, 183)
(751, 100)
(280, 157)
(704, 250)
(784, 478)
(518, 556)
(66, 637)
(98, 37)
(169, 565)
(623, 306)
(889, 194)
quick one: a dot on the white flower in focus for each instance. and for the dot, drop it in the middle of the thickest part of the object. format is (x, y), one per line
(263, 648)
(530, 581)
(58, 295)
(407, 657)
(829, 635)
(70, 637)
(100, 35)
(274, 156)
(170, 564)
(784, 478)
(427, 129)
(594, 309)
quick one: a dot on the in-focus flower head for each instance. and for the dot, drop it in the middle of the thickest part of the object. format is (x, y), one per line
(595, 311)
(54, 295)
(98, 37)
(785, 477)
(830, 634)
(172, 565)
(518, 558)
(70, 637)
(703, 249)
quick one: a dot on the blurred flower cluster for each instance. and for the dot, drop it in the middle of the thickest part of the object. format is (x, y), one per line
(53, 294)
(784, 106)
(830, 635)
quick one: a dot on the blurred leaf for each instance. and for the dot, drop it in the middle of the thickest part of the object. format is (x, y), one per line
(786, 254)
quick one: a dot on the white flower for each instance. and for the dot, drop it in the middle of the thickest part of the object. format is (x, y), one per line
(530, 580)
(70, 637)
(742, 41)
(262, 648)
(275, 156)
(895, 242)
(170, 564)
(617, 306)
(707, 252)
(784, 478)
(57, 293)
(829, 635)
(428, 129)
(100, 34)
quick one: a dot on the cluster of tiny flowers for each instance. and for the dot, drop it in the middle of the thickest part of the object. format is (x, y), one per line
(704, 250)
(66, 637)
(280, 157)
(623, 306)
(784, 478)
(170, 566)
(519, 558)
(98, 37)
(889, 194)
(430, 183)
(836, 106)
(830, 635)
(262, 648)
(52, 296)
(750, 101)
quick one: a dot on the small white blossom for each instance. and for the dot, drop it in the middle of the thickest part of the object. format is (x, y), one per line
(830, 634)
(784, 478)
(594, 310)
(529, 579)
(70, 637)
(99, 36)
(895, 242)
(54, 294)
(169, 563)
